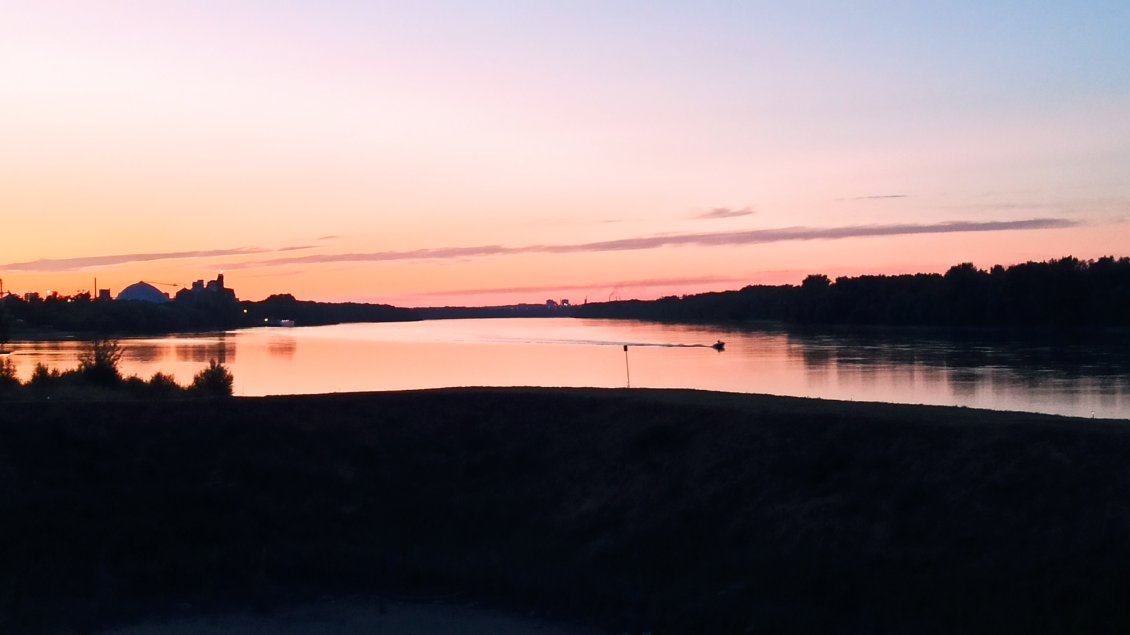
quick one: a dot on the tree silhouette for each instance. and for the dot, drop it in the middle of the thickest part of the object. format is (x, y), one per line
(214, 381)
(1067, 292)
(8, 378)
(5, 325)
(98, 361)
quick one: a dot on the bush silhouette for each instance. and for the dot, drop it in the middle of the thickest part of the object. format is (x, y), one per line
(214, 381)
(98, 362)
(160, 386)
(8, 378)
(98, 378)
(163, 382)
(44, 380)
(43, 375)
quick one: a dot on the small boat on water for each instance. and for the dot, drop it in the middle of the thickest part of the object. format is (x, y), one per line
(718, 346)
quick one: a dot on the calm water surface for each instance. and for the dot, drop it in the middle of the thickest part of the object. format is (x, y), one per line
(1034, 373)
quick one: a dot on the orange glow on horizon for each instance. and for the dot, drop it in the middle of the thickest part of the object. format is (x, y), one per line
(490, 164)
(644, 274)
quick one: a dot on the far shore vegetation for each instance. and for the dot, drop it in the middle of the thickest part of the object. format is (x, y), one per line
(1063, 293)
(36, 317)
(98, 377)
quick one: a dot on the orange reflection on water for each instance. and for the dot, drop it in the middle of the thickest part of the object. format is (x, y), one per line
(915, 368)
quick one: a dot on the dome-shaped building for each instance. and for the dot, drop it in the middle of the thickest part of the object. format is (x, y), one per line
(144, 292)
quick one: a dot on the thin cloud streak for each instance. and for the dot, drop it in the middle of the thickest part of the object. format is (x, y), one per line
(713, 239)
(59, 265)
(760, 236)
(874, 197)
(724, 212)
(653, 282)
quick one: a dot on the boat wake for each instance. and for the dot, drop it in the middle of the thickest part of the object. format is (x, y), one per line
(617, 343)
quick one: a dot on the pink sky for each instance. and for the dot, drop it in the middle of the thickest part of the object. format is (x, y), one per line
(482, 153)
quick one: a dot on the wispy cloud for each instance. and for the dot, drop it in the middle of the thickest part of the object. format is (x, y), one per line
(712, 239)
(57, 265)
(724, 212)
(760, 236)
(1093, 208)
(1007, 206)
(272, 274)
(651, 282)
(570, 221)
(873, 197)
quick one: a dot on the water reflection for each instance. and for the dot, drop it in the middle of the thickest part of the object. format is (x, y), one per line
(145, 352)
(284, 347)
(201, 352)
(1066, 375)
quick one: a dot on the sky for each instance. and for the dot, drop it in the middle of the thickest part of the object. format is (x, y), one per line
(491, 152)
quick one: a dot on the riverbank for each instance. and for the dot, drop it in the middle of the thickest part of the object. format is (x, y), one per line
(643, 510)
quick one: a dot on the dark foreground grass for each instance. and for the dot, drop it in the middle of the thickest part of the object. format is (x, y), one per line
(669, 511)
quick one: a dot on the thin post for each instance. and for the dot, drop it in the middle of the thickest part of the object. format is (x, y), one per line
(627, 370)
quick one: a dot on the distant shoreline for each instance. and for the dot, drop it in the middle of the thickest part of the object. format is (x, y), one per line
(48, 335)
(1065, 293)
(642, 510)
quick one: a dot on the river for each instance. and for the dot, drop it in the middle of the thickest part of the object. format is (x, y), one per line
(1079, 376)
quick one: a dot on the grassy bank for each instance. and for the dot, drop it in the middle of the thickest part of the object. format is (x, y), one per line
(669, 511)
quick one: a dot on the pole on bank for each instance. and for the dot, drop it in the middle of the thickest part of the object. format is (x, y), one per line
(627, 370)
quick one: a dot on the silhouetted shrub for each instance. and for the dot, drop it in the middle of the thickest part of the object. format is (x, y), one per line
(97, 378)
(163, 381)
(135, 386)
(214, 381)
(43, 380)
(8, 378)
(160, 386)
(98, 362)
(163, 385)
(42, 375)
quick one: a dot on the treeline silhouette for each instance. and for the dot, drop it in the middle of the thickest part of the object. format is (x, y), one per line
(480, 312)
(81, 314)
(307, 313)
(1061, 293)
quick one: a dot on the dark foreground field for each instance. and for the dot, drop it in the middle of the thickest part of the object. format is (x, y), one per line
(663, 511)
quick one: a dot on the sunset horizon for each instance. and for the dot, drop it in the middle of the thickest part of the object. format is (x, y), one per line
(607, 291)
(456, 154)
